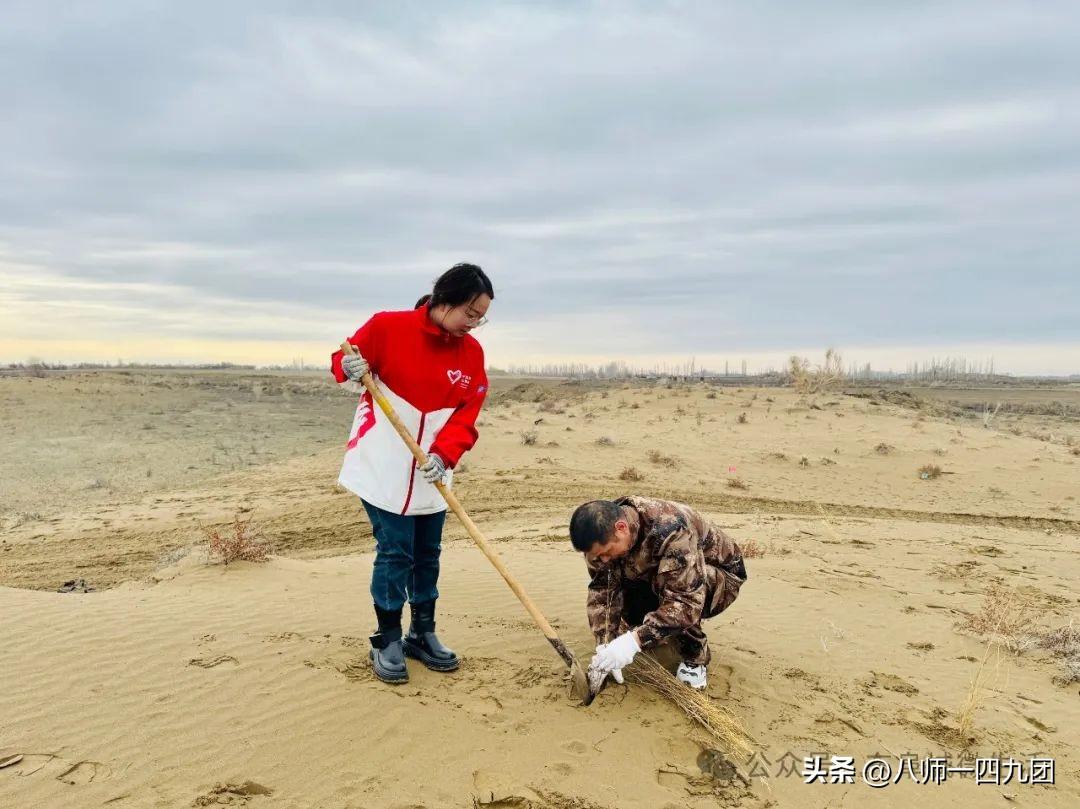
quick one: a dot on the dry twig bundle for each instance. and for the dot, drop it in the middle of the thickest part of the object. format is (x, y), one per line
(703, 710)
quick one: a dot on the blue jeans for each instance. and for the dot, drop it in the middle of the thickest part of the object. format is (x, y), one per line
(406, 557)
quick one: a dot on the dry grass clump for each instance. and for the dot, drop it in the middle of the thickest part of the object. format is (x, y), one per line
(631, 474)
(528, 438)
(605, 441)
(1002, 617)
(1064, 641)
(1075, 450)
(698, 706)
(804, 461)
(1006, 619)
(658, 458)
(240, 542)
(551, 406)
(752, 549)
(930, 471)
(883, 448)
(736, 483)
(742, 419)
(1070, 672)
(826, 376)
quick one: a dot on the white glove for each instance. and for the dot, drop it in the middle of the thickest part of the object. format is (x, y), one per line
(354, 366)
(598, 674)
(434, 469)
(616, 655)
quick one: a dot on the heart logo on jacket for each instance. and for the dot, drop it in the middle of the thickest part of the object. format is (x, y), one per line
(454, 376)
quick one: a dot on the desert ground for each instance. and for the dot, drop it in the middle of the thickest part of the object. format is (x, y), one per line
(887, 613)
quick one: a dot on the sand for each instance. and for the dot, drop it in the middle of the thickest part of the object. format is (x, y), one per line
(179, 682)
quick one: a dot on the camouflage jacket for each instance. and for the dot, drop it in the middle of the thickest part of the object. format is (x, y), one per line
(679, 554)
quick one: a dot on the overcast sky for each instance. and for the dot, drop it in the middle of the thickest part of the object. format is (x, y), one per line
(642, 181)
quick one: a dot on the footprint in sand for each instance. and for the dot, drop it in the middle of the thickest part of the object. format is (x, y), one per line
(890, 682)
(211, 662)
(81, 772)
(84, 772)
(562, 768)
(233, 794)
(575, 746)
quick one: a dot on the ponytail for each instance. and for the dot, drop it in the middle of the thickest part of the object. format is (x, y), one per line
(424, 299)
(460, 284)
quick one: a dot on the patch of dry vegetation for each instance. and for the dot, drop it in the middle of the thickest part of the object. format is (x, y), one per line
(660, 459)
(827, 376)
(698, 706)
(239, 542)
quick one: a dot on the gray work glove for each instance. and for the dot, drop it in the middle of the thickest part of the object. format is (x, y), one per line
(434, 469)
(354, 366)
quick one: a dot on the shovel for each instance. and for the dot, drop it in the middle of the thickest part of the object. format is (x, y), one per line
(578, 678)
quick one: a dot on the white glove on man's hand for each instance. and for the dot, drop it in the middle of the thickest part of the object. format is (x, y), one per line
(618, 654)
(597, 673)
(354, 366)
(434, 469)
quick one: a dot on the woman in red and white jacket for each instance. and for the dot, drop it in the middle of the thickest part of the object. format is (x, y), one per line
(432, 371)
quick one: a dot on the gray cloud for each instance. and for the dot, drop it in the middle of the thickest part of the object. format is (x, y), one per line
(693, 173)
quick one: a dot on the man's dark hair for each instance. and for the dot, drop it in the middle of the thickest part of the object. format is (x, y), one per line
(592, 523)
(461, 284)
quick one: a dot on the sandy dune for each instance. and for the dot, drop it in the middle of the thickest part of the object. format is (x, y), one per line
(181, 683)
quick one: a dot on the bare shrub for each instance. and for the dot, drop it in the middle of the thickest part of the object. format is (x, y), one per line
(1063, 641)
(528, 437)
(34, 367)
(605, 441)
(930, 471)
(804, 461)
(826, 376)
(1003, 617)
(883, 448)
(631, 474)
(239, 542)
(742, 419)
(988, 414)
(1070, 672)
(736, 483)
(710, 395)
(752, 549)
(658, 458)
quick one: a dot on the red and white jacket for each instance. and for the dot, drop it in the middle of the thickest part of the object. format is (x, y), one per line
(436, 383)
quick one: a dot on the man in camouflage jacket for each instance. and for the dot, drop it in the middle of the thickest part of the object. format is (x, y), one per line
(656, 568)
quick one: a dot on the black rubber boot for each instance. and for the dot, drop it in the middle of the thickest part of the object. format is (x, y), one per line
(422, 644)
(387, 656)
